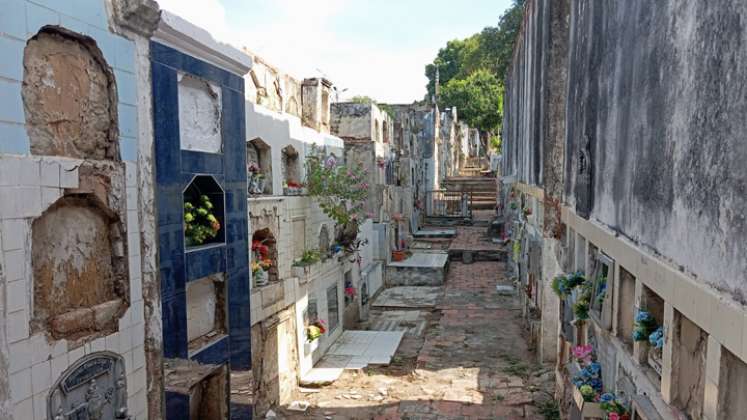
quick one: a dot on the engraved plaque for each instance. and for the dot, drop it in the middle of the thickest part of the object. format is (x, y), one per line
(93, 388)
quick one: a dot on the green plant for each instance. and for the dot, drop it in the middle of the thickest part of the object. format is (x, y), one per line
(200, 224)
(340, 190)
(581, 307)
(549, 409)
(587, 392)
(309, 257)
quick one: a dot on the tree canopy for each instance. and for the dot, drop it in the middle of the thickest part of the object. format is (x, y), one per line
(472, 71)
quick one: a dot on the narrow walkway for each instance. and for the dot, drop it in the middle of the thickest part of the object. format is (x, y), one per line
(470, 361)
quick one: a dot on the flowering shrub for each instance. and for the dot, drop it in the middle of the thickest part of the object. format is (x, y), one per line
(309, 257)
(645, 325)
(200, 224)
(340, 190)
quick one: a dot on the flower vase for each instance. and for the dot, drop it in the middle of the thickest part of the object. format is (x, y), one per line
(261, 278)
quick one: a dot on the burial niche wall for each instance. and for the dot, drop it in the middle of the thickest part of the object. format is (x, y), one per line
(79, 267)
(69, 97)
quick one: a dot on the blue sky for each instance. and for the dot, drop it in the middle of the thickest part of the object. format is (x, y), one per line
(375, 48)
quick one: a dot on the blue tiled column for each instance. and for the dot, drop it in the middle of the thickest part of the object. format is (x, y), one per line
(175, 169)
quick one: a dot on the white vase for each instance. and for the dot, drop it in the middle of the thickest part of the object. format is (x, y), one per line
(261, 278)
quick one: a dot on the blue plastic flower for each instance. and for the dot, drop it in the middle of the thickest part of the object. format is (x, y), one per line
(607, 397)
(642, 316)
(595, 368)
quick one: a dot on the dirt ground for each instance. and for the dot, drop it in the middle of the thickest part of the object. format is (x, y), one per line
(466, 358)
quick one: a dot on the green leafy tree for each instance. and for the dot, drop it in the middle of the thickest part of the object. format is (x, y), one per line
(459, 62)
(477, 99)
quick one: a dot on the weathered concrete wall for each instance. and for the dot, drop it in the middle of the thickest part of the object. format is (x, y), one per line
(44, 153)
(656, 114)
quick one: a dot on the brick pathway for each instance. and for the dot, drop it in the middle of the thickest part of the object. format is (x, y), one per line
(471, 363)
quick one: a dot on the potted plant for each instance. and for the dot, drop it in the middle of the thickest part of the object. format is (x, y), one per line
(200, 224)
(587, 388)
(261, 263)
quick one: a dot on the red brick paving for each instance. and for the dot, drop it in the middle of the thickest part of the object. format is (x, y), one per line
(461, 370)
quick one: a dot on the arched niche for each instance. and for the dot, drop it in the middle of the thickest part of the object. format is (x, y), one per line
(69, 97)
(290, 166)
(265, 253)
(259, 167)
(79, 264)
(385, 131)
(324, 241)
(204, 212)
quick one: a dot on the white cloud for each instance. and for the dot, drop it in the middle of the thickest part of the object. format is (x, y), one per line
(298, 40)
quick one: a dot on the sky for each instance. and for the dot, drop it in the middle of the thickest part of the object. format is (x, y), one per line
(365, 47)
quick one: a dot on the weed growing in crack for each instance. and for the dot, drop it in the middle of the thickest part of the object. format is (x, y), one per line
(549, 409)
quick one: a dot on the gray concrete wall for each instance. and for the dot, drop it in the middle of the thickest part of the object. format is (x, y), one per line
(654, 125)
(656, 99)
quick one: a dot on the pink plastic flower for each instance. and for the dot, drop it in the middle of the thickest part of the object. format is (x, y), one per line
(583, 353)
(613, 416)
(330, 162)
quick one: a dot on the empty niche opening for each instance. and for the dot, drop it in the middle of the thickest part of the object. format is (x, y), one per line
(688, 366)
(654, 305)
(290, 167)
(206, 311)
(733, 374)
(79, 263)
(324, 243)
(298, 229)
(264, 261)
(600, 306)
(385, 131)
(259, 167)
(199, 115)
(626, 311)
(69, 97)
(349, 289)
(333, 308)
(203, 212)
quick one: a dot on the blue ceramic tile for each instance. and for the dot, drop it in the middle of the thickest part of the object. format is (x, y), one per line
(127, 120)
(177, 406)
(205, 262)
(13, 18)
(75, 25)
(38, 17)
(166, 123)
(216, 354)
(14, 139)
(174, 316)
(92, 12)
(11, 65)
(170, 203)
(126, 87)
(11, 104)
(241, 411)
(204, 163)
(125, 54)
(128, 149)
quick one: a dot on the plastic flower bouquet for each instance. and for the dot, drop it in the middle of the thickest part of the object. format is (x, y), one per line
(645, 325)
